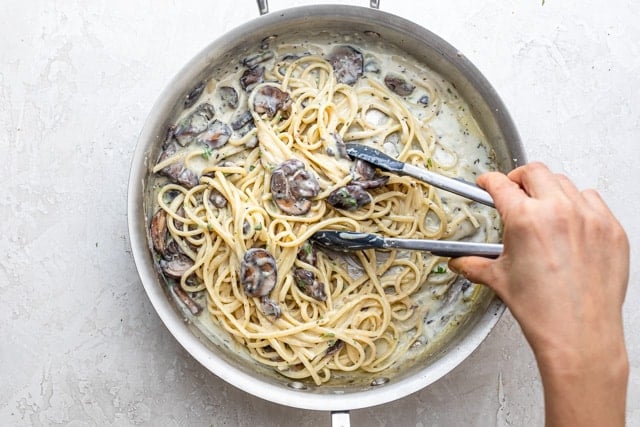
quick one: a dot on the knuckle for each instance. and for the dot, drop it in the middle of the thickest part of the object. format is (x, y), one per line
(596, 224)
(536, 166)
(591, 192)
(606, 228)
(561, 211)
(562, 177)
(619, 236)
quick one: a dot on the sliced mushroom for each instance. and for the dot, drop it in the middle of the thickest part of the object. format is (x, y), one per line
(172, 249)
(347, 64)
(188, 178)
(216, 135)
(455, 290)
(292, 187)
(159, 231)
(350, 197)
(270, 307)
(377, 182)
(293, 56)
(398, 85)
(181, 213)
(267, 41)
(258, 58)
(258, 272)
(194, 95)
(246, 228)
(341, 147)
(242, 120)
(372, 67)
(229, 96)
(252, 142)
(270, 99)
(176, 172)
(217, 199)
(193, 306)
(303, 185)
(174, 169)
(176, 266)
(363, 171)
(194, 124)
(307, 254)
(365, 176)
(307, 282)
(334, 347)
(252, 77)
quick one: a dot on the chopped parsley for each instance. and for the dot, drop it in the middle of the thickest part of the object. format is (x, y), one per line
(206, 154)
(307, 248)
(439, 270)
(429, 163)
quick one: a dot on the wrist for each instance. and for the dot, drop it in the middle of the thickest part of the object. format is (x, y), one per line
(602, 365)
(587, 386)
(593, 353)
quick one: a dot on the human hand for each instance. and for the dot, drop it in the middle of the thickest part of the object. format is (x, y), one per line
(563, 274)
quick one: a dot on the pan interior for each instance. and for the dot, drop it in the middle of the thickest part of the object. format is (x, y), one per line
(213, 347)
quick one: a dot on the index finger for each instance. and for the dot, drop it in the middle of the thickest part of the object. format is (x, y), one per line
(504, 191)
(537, 180)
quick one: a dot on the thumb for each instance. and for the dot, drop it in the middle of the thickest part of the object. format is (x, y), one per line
(476, 269)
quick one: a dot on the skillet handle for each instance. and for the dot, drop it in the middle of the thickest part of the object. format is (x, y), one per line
(263, 5)
(340, 419)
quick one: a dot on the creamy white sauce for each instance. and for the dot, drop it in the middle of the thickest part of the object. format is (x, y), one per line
(458, 137)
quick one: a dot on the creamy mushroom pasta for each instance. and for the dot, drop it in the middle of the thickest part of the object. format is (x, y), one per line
(256, 164)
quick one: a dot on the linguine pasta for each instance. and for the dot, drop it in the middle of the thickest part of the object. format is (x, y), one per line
(377, 306)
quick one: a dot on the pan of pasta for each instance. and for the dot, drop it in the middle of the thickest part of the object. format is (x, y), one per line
(243, 159)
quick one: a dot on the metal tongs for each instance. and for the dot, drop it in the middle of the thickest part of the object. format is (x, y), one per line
(350, 241)
(454, 185)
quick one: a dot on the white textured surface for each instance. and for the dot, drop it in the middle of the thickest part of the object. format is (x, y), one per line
(79, 342)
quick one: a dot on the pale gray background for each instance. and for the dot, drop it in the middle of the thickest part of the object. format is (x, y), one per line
(79, 342)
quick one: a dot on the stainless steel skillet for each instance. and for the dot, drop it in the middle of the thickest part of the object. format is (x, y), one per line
(212, 348)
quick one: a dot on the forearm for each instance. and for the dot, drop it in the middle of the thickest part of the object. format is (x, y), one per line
(586, 389)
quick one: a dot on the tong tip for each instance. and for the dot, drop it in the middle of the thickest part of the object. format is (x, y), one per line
(374, 156)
